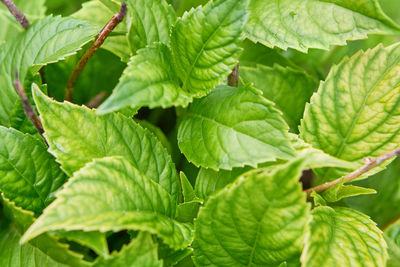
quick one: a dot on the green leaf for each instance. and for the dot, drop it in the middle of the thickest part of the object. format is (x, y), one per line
(97, 13)
(29, 175)
(343, 237)
(356, 110)
(209, 181)
(148, 80)
(95, 240)
(76, 136)
(384, 206)
(392, 237)
(228, 233)
(340, 191)
(141, 251)
(205, 44)
(21, 219)
(248, 132)
(48, 40)
(315, 158)
(256, 54)
(10, 27)
(91, 201)
(393, 232)
(288, 88)
(12, 254)
(150, 22)
(187, 188)
(303, 24)
(394, 253)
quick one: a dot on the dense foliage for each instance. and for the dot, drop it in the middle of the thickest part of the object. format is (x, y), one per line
(218, 120)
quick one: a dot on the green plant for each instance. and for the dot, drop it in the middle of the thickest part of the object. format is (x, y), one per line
(200, 133)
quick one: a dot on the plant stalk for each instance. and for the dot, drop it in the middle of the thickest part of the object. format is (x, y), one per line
(28, 109)
(101, 37)
(369, 164)
(16, 13)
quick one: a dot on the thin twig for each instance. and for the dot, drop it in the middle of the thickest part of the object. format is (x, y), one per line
(114, 21)
(16, 13)
(369, 164)
(28, 109)
(95, 102)
(233, 78)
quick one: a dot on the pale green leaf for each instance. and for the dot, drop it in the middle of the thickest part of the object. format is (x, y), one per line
(384, 206)
(110, 194)
(21, 220)
(76, 136)
(316, 158)
(33, 10)
(317, 199)
(303, 24)
(48, 40)
(259, 221)
(12, 254)
(205, 44)
(288, 88)
(97, 13)
(340, 191)
(356, 111)
(142, 251)
(233, 127)
(343, 237)
(150, 22)
(149, 81)
(29, 175)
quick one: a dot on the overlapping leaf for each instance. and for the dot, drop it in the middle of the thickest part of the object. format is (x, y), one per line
(12, 254)
(18, 221)
(148, 80)
(356, 111)
(150, 21)
(205, 44)
(343, 237)
(142, 251)
(303, 24)
(233, 127)
(29, 175)
(110, 194)
(258, 221)
(48, 40)
(76, 136)
(288, 88)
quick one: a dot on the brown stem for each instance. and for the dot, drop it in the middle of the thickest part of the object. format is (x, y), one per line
(233, 78)
(16, 13)
(28, 109)
(114, 21)
(369, 164)
(95, 102)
